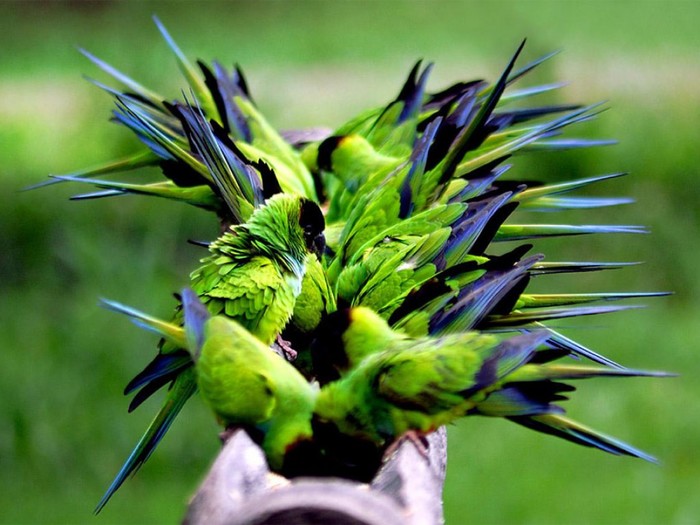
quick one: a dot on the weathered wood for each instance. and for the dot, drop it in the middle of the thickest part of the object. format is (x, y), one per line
(240, 490)
(415, 481)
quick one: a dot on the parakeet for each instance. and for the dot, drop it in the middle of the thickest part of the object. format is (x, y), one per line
(243, 382)
(390, 384)
(253, 275)
(247, 385)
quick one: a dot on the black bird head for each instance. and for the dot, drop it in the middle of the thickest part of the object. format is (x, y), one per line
(325, 150)
(312, 223)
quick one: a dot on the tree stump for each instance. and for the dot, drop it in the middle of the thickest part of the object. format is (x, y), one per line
(240, 490)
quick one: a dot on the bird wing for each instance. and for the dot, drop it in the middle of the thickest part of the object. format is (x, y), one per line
(255, 294)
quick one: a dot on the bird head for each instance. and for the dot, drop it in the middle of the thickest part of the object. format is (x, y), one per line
(346, 337)
(312, 224)
(325, 151)
(287, 228)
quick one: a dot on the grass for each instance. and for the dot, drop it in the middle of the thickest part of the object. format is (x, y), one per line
(67, 430)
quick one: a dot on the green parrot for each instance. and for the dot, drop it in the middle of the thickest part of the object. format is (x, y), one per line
(246, 385)
(239, 378)
(253, 275)
(384, 384)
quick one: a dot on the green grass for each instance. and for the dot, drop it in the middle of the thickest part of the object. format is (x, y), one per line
(65, 428)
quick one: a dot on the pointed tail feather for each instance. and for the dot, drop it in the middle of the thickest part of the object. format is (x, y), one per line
(473, 134)
(162, 370)
(167, 365)
(173, 333)
(128, 83)
(182, 390)
(561, 342)
(137, 160)
(197, 85)
(570, 430)
(201, 195)
(564, 371)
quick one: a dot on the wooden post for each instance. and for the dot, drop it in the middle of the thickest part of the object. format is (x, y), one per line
(241, 490)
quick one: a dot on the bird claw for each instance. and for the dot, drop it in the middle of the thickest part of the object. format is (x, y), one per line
(284, 348)
(419, 441)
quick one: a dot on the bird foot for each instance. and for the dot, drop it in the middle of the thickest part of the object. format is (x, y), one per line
(285, 349)
(418, 440)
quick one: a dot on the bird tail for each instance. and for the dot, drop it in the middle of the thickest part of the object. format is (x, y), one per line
(528, 395)
(565, 428)
(168, 364)
(200, 196)
(173, 333)
(183, 388)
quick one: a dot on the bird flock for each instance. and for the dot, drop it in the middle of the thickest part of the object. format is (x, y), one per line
(371, 282)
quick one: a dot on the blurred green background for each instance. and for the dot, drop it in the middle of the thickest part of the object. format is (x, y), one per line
(65, 430)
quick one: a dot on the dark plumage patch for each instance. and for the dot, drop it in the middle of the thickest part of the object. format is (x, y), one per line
(213, 86)
(311, 217)
(325, 150)
(270, 183)
(419, 297)
(350, 457)
(222, 135)
(543, 392)
(137, 96)
(164, 365)
(156, 375)
(241, 81)
(490, 370)
(327, 349)
(489, 231)
(406, 198)
(509, 259)
(449, 95)
(312, 222)
(515, 185)
(442, 141)
(507, 302)
(487, 374)
(546, 356)
(181, 174)
(476, 300)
